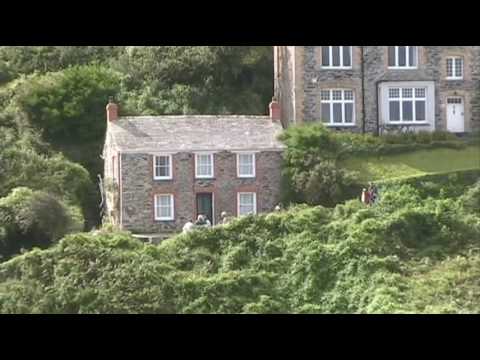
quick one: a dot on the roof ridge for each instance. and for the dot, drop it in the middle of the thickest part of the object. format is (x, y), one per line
(191, 116)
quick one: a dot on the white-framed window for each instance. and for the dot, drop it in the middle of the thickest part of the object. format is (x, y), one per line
(337, 107)
(407, 104)
(164, 207)
(454, 68)
(247, 203)
(204, 165)
(337, 57)
(246, 165)
(162, 167)
(402, 57)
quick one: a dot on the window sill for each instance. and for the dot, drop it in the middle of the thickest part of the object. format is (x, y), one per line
(402, 68)
(246, 176)
(421, 123)
(340, 125)
(162, 178)
(336, 68)
(164, 220)
(204, 178)
(454, 79)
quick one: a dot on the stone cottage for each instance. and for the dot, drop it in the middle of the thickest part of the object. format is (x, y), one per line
(379, 88)
(162, 171)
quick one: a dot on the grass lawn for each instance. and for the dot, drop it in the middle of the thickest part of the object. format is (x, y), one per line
(418, 163)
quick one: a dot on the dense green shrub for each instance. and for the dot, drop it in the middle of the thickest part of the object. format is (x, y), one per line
(34, 218)
(350, 259)
(310, 166)
(69, 106)
(18, 60)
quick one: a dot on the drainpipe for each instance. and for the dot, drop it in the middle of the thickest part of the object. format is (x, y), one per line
(362, 65)
(377, 96)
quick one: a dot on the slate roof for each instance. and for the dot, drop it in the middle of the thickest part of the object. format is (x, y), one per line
(195, 133)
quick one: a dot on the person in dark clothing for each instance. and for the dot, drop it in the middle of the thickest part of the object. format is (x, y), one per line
(372, 189)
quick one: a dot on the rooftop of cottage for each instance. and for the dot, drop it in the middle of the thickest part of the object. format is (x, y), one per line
(195, 133)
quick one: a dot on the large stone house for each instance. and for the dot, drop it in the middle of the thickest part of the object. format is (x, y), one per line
(162, 171)
(378, 88)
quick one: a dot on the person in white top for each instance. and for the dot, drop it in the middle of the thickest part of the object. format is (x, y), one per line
(202, 221)
(188, 226)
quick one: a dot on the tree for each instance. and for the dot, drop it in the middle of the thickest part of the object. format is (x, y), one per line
(34, 218)
(311, 169)
(196, 79)
(69, 106)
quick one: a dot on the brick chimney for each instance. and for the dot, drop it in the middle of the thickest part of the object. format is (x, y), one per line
(112, 110)
(275, 113)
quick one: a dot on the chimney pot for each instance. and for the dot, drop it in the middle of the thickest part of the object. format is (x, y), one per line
(275, 113)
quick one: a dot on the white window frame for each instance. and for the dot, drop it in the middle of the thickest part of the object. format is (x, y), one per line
(251, 175)
(343, 102)
(212, 157)
(254, 202)
(330, 59)
(407, 59)
(454, 67)
(170, 163)
(156, 207)
(413, 99)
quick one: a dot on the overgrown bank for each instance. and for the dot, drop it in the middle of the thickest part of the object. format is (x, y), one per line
(409, 253)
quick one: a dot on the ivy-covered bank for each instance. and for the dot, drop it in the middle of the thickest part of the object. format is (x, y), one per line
(410, 253)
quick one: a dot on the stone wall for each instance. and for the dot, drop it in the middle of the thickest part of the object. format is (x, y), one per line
(139, 188)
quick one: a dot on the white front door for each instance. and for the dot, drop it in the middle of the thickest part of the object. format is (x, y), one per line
(455, 115)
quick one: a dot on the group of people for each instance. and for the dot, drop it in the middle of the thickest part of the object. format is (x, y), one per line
(204, 222)
(370, 195)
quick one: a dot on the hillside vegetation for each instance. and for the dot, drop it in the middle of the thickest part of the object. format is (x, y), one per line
(408, 254)
(416, 251)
